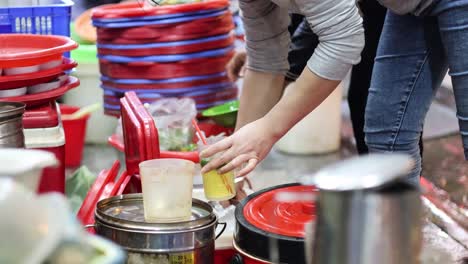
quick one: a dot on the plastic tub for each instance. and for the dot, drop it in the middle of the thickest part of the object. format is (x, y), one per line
(319, 132)
(167, 189)
(75, 131)
(50, 139)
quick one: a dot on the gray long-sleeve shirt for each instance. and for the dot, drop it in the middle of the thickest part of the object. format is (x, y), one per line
(337, 23)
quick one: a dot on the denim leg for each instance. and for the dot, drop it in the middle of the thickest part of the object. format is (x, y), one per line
(303, 43)
(409, 67)
(453, 23)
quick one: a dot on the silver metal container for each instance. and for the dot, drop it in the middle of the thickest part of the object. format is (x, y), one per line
(366, 213)
(121, 220)
(11, 125)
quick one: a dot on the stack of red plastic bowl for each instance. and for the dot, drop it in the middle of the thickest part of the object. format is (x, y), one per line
(32, 68)
(165, 51)
(34, 71)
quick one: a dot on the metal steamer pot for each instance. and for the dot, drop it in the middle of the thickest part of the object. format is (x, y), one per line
(121, 220)
(11, 125)
(367, 213)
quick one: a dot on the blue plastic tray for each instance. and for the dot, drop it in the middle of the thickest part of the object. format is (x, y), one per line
(168, 58)
(162, 44)
(172, 80)
(158, 22)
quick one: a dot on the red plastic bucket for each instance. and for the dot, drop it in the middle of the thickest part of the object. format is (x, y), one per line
(75, 131)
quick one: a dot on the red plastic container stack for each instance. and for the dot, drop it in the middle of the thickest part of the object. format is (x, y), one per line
(165, 51)
(33, 71)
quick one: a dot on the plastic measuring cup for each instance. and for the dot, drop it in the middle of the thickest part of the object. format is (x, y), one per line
(167, 189)
(217, 187)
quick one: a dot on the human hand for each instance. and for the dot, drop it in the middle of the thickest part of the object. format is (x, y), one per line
(236, 66)
(249, 145)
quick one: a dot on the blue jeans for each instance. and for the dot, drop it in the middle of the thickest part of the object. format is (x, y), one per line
(413, 57)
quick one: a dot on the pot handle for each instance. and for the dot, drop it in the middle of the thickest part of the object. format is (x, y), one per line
(222, 229)
(89, 226)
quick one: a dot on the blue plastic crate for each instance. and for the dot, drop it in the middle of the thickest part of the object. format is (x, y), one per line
(52, 18)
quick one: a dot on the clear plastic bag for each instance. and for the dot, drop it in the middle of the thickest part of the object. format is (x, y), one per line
(173, 118)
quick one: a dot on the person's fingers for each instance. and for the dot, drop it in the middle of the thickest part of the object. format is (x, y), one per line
(242, 71)
(231, 71)
(217, 147)
(215, 163)
(235, 66)
(236, 162)
(249, 168)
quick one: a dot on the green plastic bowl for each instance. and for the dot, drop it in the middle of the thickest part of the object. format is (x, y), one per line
(224, 115)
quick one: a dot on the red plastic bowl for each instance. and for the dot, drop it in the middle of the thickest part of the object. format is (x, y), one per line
(44, 97)
(182, 49)
(136, 9)
(28, 79)
(200, 28)
(152, 70)
(177, 85)
(18, 50)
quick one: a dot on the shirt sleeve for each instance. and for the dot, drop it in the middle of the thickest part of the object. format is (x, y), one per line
(267, 37)
(338, 26)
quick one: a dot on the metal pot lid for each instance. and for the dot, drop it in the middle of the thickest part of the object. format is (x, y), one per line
(10, 109)
(365, 172)
(126, 212)
(264, 224)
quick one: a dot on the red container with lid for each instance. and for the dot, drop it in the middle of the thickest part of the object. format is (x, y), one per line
(263, 224)
(43, 130)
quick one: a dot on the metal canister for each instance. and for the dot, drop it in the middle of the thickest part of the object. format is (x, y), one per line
(366, 212)
(11, 125)
(121, 219)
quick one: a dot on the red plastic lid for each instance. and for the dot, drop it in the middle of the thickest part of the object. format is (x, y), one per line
(29, 79)
(205, 27)
(27, 49)
(44, 97)
(135, 9)
(164, 70)
(169, 50)
(41, 117)
(282, 218)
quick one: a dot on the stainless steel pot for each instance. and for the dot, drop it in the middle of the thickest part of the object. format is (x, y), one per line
(11, 125)
(366, 213)
(121, 220)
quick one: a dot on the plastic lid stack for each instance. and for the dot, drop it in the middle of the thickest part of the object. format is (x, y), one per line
(165, 51)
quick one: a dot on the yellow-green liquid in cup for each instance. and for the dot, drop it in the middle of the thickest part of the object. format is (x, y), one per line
(218, 187)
